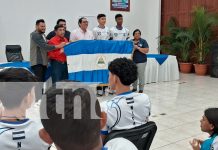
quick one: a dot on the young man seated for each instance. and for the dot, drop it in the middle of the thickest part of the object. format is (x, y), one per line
(78, 125)
(128, 109)
(17, 94)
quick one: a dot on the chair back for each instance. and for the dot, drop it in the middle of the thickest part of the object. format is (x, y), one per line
(13, 53)
(141, 136)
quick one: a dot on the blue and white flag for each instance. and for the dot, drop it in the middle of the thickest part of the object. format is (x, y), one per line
(88, 59)
(18, 135)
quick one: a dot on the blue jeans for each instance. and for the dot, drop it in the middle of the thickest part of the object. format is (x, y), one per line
(59, 71)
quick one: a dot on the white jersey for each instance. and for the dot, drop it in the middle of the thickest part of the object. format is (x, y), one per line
(22, 135)
(126, 111)
(117, 34)
(120, 144)
(101, 33)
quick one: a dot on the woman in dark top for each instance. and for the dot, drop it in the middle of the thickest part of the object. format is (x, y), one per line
(139, 57)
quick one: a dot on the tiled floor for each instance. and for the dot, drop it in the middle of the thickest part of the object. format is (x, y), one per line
(177, 108)
(183, 102)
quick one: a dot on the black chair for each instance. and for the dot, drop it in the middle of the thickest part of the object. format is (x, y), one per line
(141, 136)
(13, 53)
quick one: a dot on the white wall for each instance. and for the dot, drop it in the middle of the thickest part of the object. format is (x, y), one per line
(17, 18)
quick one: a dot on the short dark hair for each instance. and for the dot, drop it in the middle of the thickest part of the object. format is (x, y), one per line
(80, 20)
(40, 21)
(71, 133)
(60, 20)
(211, 115)
(12, 94)
(118, 16)
(58, 26)
(125, 69)
(100, 16)
(136, 30)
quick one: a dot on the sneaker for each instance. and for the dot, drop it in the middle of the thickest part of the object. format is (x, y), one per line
(140, 91)
(134, 90)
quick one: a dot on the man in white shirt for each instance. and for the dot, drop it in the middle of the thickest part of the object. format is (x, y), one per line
(101, 32)
(119, 32)
(128, 109)
(82, 33)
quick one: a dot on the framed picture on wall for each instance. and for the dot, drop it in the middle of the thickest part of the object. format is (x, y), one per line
(120, 5)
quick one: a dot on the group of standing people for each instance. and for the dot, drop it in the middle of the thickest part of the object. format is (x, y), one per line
(50, 48)
(44, 49)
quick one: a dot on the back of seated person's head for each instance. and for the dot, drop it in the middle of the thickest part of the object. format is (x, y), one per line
(70, 133)
(15, 85)
(125, 69)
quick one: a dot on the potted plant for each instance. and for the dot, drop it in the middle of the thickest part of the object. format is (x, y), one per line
(183, 43)
(202, 25)
(166, 41)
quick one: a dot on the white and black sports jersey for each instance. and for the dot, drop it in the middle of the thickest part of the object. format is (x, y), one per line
(21, 135)
(101, 33)
(126, 111)
(117, 34)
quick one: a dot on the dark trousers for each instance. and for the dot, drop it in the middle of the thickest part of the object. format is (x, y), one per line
(39, 71)
(59, 71)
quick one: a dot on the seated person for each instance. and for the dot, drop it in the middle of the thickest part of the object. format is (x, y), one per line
(128, 109)
(209, 124)
(17, 94)
(72, 130)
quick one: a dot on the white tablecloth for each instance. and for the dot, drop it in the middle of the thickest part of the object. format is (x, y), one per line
(168, 71)
(154, 72)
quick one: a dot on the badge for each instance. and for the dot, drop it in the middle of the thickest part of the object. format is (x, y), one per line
(99, 33)
(101, 62)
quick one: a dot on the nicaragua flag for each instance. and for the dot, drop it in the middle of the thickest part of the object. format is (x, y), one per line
(88, 59)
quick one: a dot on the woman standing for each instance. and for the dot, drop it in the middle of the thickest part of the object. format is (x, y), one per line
(139, 57)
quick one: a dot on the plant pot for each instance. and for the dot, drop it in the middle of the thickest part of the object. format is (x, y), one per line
(201, 69)
(185, 67)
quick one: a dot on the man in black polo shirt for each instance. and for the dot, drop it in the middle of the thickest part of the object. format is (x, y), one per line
(61, 22)
(139, 57)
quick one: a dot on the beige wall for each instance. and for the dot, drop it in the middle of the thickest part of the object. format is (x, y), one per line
(17, 18)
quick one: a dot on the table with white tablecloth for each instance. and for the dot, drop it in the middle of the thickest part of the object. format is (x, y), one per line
(156, 71)
(166, 71)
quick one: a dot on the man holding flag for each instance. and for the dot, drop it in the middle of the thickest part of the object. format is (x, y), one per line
(57, 57)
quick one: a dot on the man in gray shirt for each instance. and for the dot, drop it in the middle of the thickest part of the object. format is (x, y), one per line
(39, 49)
